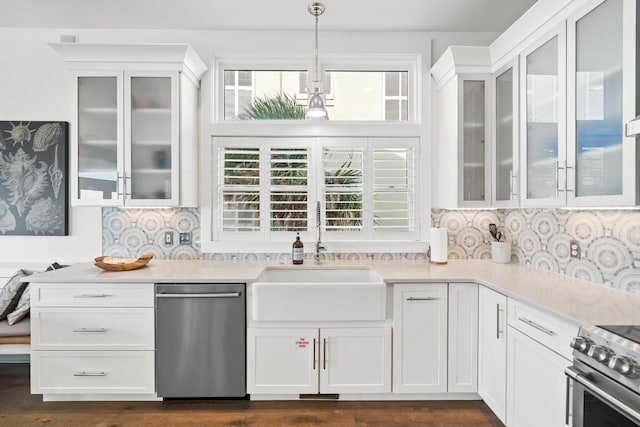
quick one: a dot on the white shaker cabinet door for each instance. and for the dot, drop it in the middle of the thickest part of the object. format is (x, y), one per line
(536, 385)
(355, 360)
(420, 338)
(282, 360)
(492, 351)
(463, 338)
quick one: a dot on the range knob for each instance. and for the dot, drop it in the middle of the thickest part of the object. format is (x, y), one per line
(625, 365)
(581, 344)
(600, 353)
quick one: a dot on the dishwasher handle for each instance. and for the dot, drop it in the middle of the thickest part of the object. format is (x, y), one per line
(208, 295)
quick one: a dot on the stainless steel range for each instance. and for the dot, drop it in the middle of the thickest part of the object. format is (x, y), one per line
(606, 376)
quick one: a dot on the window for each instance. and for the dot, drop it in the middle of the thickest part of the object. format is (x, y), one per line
(396, 97)
(262, 95)
(351, 93)
(268, 187)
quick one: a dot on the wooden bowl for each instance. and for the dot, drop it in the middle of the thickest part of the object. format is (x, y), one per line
(122, 264)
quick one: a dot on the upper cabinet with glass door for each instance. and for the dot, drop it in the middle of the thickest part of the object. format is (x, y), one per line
(601, 88)
(505, 147)
(135, 138)
(462, 144)
(542, 109)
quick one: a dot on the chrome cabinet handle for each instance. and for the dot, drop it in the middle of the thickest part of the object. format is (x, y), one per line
(566, 180)
(90, 374)
(537, 326)
(558, 167)
(567, 402)
(584, 380)
(92, 296)
(498, 331)
(324, 351)
(422, 299)
(512, 184)
(314, 354)
(90, 330)
(212, 295)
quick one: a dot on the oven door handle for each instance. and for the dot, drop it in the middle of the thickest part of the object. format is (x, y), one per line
(584, 381)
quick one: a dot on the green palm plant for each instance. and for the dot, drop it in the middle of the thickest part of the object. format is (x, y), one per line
(279, 107)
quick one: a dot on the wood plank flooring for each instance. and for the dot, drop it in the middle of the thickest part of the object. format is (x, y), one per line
(19, 408)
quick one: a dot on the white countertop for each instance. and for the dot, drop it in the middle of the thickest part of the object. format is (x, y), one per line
(574, 299)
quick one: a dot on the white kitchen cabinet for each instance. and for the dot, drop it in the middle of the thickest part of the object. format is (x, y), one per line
(543, 120)
(601, 97)
(463, 338)
(505, 148)
(538, 352)
(93, 341)
(312, 361)
(282, 360)
(134, 140)
(536, 386)
(578, 89)
(492, 350)
(462, 152)
(420, 338)
(355, 360)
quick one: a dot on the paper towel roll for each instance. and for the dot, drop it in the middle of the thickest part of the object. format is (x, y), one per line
(438, 245)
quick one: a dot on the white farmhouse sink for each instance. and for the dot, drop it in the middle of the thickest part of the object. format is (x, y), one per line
(319, 294)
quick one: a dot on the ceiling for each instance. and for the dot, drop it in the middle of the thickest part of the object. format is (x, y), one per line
(363, 15)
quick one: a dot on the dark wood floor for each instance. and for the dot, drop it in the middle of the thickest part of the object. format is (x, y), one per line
(19, 408)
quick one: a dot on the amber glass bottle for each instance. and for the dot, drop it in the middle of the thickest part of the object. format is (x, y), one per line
(297, 253)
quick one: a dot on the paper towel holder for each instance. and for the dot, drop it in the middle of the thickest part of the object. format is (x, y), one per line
(434, 262)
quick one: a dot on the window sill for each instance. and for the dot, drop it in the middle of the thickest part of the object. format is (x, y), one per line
(373, 246)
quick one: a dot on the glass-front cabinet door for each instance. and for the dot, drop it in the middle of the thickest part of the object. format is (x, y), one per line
(99, 160)
(543, 71)
(505, 137)
(128, 139)
(601, 93)
(474, 101)
(151, 126)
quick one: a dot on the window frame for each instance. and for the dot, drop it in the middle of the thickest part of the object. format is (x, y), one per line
(416, 127)
(381, 63)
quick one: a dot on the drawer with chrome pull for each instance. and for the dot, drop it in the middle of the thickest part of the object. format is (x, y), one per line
(547, 329)
(92, 372)
(95, 328)
(92, 295)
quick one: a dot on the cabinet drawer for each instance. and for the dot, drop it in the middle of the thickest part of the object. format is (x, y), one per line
(92, 295)
(547, 329)
(92, 328)
(92, 372)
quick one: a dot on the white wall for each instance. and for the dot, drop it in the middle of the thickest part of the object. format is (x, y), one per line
(35, 85)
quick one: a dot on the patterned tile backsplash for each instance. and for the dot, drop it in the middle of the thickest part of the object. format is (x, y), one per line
(609, 239)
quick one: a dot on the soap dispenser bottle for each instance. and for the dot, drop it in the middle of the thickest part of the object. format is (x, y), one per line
(297, 253)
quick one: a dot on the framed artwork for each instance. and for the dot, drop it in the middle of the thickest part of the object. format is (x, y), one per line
(33, 178)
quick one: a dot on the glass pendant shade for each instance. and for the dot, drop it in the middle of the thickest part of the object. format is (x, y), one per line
(315, 107)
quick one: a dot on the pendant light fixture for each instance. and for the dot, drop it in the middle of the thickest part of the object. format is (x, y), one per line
(315, 106)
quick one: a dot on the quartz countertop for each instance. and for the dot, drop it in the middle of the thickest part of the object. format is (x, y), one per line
(573, 299)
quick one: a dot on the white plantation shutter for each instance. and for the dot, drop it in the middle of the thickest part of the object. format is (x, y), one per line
(393, 189)
(239, 188)
(268, 188)
(343, 169)
(289, 193)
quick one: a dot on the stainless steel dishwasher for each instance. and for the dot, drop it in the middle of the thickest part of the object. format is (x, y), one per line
(200, 340)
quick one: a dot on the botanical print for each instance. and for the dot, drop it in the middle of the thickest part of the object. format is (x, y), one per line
(33, 171)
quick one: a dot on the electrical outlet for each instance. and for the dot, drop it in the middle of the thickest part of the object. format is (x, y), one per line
(451, 240)
(168, 238)
(185, 238)
(574, 249)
